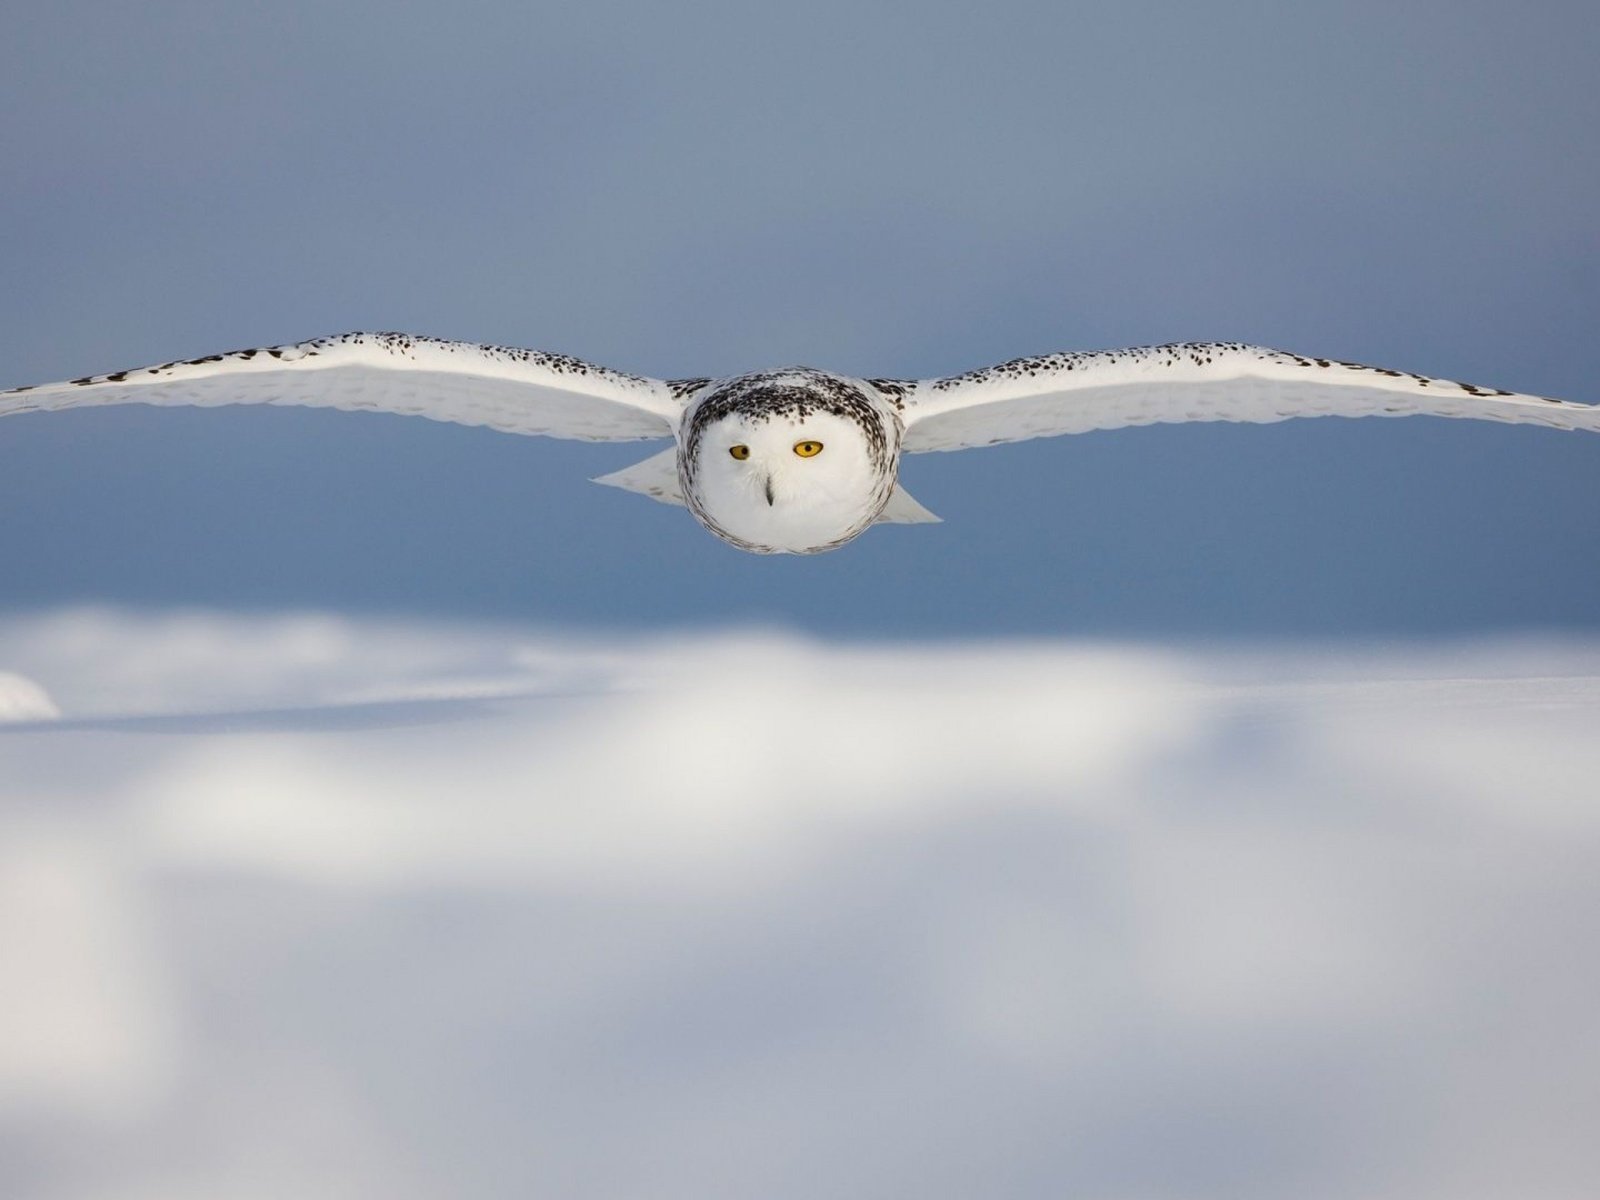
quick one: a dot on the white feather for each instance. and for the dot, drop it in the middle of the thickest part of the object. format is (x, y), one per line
(904, 509)
(656, 477)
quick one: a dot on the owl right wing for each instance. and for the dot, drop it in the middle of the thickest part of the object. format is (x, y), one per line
(503, 388)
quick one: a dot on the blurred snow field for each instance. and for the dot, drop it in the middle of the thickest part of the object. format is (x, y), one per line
(327, 906)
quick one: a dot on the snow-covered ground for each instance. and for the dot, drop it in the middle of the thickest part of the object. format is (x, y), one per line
(310, 907)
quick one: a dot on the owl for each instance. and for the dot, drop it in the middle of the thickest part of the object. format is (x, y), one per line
(798, 460)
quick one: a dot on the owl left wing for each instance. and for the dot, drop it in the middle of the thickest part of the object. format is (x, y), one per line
(1190, 381)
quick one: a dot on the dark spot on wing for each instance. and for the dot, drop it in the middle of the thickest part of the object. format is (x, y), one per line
(893, 390)
(682, 389)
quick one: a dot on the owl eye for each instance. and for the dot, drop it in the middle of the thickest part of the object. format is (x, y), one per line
(808, 449)
(741, 451)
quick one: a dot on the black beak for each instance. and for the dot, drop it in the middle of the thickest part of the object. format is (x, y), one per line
(769, 491)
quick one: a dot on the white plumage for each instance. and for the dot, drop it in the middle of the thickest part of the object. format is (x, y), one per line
(798, 460)
(504, 388)
(1194, 381)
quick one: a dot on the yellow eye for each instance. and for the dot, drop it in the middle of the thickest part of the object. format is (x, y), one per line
(808, 449)
(741, 451)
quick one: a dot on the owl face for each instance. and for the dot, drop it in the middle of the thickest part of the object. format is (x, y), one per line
(792, 481)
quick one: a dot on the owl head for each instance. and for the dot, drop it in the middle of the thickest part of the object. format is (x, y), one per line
(785, 466)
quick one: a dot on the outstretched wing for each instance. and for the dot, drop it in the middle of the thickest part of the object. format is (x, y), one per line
(516, 391)
(1191, 381)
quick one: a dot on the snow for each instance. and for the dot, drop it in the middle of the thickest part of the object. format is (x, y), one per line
(21, 699)
(314, 905)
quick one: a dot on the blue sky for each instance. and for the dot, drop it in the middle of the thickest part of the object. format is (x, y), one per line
(897, 190)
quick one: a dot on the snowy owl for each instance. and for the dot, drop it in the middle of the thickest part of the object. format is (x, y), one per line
(797, 460)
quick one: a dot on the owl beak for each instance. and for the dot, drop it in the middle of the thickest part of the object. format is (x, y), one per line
(768, 483)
